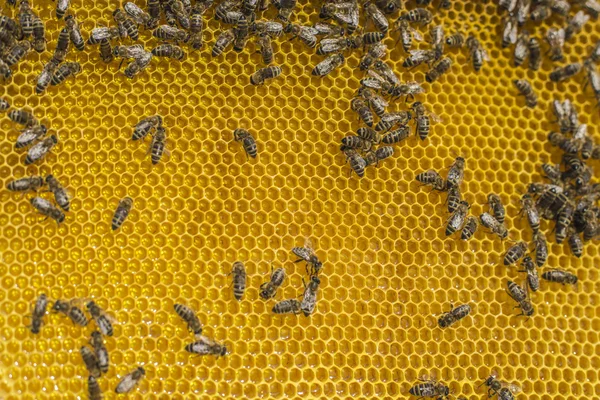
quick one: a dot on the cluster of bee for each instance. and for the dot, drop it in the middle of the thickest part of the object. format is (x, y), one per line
(32, 136)
(43, 206)
(202, 345)
(152, 125)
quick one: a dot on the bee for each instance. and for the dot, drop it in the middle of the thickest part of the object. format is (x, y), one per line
(306, 34)
(90, 361)
(336, 45)
(62, 43)
(438, 70)
(563, 222)
(17, 52)
(456, 173)
(266, 49)
(533, 280)
(180, 12)
(418, 15)
(64, 71)
(271, 28)
(241, 32)
(196, 26)
(239, 280)
(247, 140)
(101, 352)
(106, 51)
(38, 313)
(140, 16)
(102, 320)
(418, 57)
(389, 120)
(188, 315)
(591, 225)
(373, 157)
(285, 7)
(261, 75)
(22, 117)
(9, 24)
(169, 50)
(454, 315)
(397, 135)
(523, 11)
(375, 102)
(205, 346)
(423, 121)
(5, 71)
(33, 183)
(309, 300)
(496, 207)
(326, 66)
(291, 306)
(541, 248)
(368, 134)
(145, 126)
(477, 53)
(519, 295)
(367, 39)
(525, 89)
(362, 109)
(588, 145)
(60, 194)
(504, 390)
(26, 18)
(528, 207)
(62, 6)
(521, 48)
(560, 276)
(377, 16)
(346, 13)
(515, 253)
(121, 212)
(30, 135)
(130, 381)
(103, 33)
(455, 41)
(433, 179)
(535, 54)
(40, 149)
(125, 25)
(74, 32)
(223, 41)
(154, 8)
(94, 391)
(552, 172)
(170, 33)
(566, 72)
(308, 255)
(269, 289)
(492, 224)
(430, 388)
(157, 147)
(73, 312)
(576, 24)
(357, 163)
(469, 228)
(223, 8)
(436, 34)
(509, 33)
(457, 218)
(355, 142)
(39, 40)
(4, 105)
(407, 34)
(249, 7)
(556, 41)
(138, 65)
(391, 85)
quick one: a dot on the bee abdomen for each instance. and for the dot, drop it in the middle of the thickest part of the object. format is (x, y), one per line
(78, 317)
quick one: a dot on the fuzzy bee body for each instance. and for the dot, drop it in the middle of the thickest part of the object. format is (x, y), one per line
(291, 306)
(121, 213)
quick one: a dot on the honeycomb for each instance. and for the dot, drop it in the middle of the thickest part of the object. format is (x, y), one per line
(389, 271)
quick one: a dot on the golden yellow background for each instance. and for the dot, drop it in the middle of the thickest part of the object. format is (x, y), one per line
(388, 269)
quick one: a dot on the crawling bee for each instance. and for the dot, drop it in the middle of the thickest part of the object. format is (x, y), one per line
(94, 391)
(552, 172)
(307, 254)
(125, 25)
(269, 289)
(456, 173)
(407, 34)
(247, 140)
(541, 248)
(364, 112)
(138, 65)
(457, 219)
(528, 207)
(239, 280)
(390, 84)
(188, 315)
(106, 51)
(260, 76)
(433, 179)
(74, 32)
(510, 31)
(171, 33)
(507, 5)
(307, 34)
(33, 183)
(456, 40)
(62, 6)
(454, 198)
(101, 352)
(40, 149)
(205, 346)
(423, 119)
(328, 30)
(181, 13)
(345, 13)
(563, 222)
(373, 54)
(355, 142)
(368, 134)
(520, 296)
(373, 157)
(496, 207)
(59, 191)
(336, 45)
(17, 52)
(64, 71)
(436, 34)
(140, 16)
(291, 306)
(389, 120)
(560, 276)
(535, 54)
(241, 32)
(477, 53)
(5, 70)
(430, 388)
(30, 135)
(377, 16)
(515, 253)
(103, 33)
(575, 243)
(121, 212)
(38, 313)
(504, 390)
(525, 89)
(533, 280)
(592, 7)
(158, 145)
(566, 72)
(397, 135)
(418, 15)
(376, 102)
(196, 26)
(576, 24)
(556, 41)
(39, 40)
(309, 300)
(438, 70)
(90, 361)
(492, 224)
(591, 229)
(389, 6)
(26, 16)
(329, 64)
(102, 320)
(73, 312)
(266, 49)
(357, 163)
(418, 57)
(145, 126)
(223, 41)
(130, 381)
(454, 315)
(469, 228)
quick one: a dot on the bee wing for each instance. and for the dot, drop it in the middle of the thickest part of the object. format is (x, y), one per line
(204, 340)
(416, 34)
(371, 83)
(485, 54)
(126, 384)
(378, 50)
(415, 87)
(380, 100)
(308, 243)
(510, 386)
(375, 75)
(309, 30)
(580, 18)
(435, 117)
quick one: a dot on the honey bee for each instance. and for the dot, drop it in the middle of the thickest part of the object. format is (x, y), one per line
(552, 172)
(373, 157)
(533, 280)
(525, 89)
(170, 33)
(418, 57)
(64, 71)
(336, 45)
(223, 41)
(375, 102)
(588, 145)
(266, 49)
(94, 391)
(523, 8)
(492, 224)
(154, 8)
(541, 248)
(515, 253)
(103, 33)
(62, 6)
(125, 25)
(102, 320)
(423, 119)
(39, 40)
(271, 28)
(355, 142)
(22, 117)
(541, 12)
(62, 43)
(436, 34)
(38, 313)
(389, 6)
(560, 276)
(130, 381)
(520, 296)
(17, 52)
(33, 183)
(377, 16)
(407, 34)
(346, 13)
(26, 18)
(285, 8)
(145, 126)
(456, 40)
(196, 26)
(261, 75)
(438, 70)
(239, 280)
(326, 66)
(140, 16)
(309, 300)
(291, 306)
(169, 50)
(121, 212)
(433, 179)
(510, 31)
(40, 149)
(496, 207)
(188, 315)
(591, 229)
(249, 7)
(30, 135)
(566, 72)
(223, 8)
(528, 207)
(101, 352)
(576, 24)
(477, 53)
(504, 390)
(308, 255)
(368, 134)
(457, 218)
(60, 193)
(74, 32)
(396, 136)
(592, 7)
(556, 41)
(418, 15)
(157, 147)
(306, 34)
(535, 54)
(138, 65)
(106, 51)
(45, 76)
(241, 32)
(454, 315)
(90, 361)
(73, 312)
(456, 173)
(362, 109)
(390, 84)
(430, 388)
(357, 163)
(180, 12)
(469, 228)
(247, 140)
(563, 222)
(389, 120)
(374, 53)
(205, 346)
(454, 198)
(269, 289)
